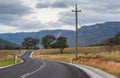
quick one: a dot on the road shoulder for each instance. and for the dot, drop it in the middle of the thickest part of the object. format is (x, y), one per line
(93, 72)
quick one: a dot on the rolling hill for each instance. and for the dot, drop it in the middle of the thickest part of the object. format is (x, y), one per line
(88, 35)
(5, 42)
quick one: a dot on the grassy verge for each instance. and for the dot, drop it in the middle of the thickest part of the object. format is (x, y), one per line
(7, 57)
(108, 66)
(53, 54)
(8, 62)
(95, 56)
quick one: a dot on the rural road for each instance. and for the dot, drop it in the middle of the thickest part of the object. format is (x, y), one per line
(33, 68)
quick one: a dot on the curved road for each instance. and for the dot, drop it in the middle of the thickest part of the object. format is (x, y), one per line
(33, 68)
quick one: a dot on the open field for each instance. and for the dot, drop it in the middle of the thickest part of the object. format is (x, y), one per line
(7, 57)
(95, 56)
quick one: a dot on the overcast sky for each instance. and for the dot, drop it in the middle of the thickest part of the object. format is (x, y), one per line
(35, 15)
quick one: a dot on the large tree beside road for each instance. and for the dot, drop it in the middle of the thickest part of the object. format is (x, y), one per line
(60, 43)
(30, 43)
(49, 41)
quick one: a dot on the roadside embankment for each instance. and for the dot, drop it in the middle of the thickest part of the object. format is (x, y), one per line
(9, 57)
(95, 56)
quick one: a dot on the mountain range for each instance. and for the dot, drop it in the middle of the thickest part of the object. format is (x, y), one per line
(5, 42)
(88, 35)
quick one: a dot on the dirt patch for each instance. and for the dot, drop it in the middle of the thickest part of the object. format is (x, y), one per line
(109, 66)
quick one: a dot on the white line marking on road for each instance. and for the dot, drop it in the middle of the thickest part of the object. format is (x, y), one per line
(25, 75)
(23, 53)
(31, 54)
(28, 74)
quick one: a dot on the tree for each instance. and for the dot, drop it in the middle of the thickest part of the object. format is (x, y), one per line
(47, 41)
(30, 43)
(109, 42)
(114, 40)
(61, 43)
(35, 41)
(117, 38)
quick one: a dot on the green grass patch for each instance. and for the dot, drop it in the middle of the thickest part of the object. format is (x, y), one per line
(117, 74)
(7, 57)
(6, 62)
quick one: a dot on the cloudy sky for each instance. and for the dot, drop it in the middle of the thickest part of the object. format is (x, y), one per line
(35, 15)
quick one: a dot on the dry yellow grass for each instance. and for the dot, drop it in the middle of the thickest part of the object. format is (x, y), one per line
(100, 57)
(7, 56)
(86, 52)
(53, 54)
(109, 66)
(9, 53)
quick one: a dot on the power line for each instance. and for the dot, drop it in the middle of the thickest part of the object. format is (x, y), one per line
(69, 2)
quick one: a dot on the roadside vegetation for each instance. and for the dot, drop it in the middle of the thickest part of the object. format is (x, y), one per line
(105, 55)
(30, 43)
(7, 57)
(50, 41)
(96, 56)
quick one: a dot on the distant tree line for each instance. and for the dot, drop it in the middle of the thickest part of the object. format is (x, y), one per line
(112, 41)
(28, 43)
(9, 47)
(48, 41)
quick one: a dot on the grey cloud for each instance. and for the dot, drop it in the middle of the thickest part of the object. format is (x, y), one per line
(59, 4)
(67, 18)
(12, 11)
(13, 7)
(42, 5)
(8, 19)
(93, 11)
(106, 6)
(87, 17)
(26, 25)
(55, 4)
(30, 25)
(100, 6)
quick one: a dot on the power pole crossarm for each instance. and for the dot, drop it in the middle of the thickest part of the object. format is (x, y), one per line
(76, 13)
(76, 9)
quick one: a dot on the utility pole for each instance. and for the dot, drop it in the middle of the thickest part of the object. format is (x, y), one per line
(76, 14)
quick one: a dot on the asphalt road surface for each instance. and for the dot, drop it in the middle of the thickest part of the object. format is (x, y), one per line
(33, 68)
